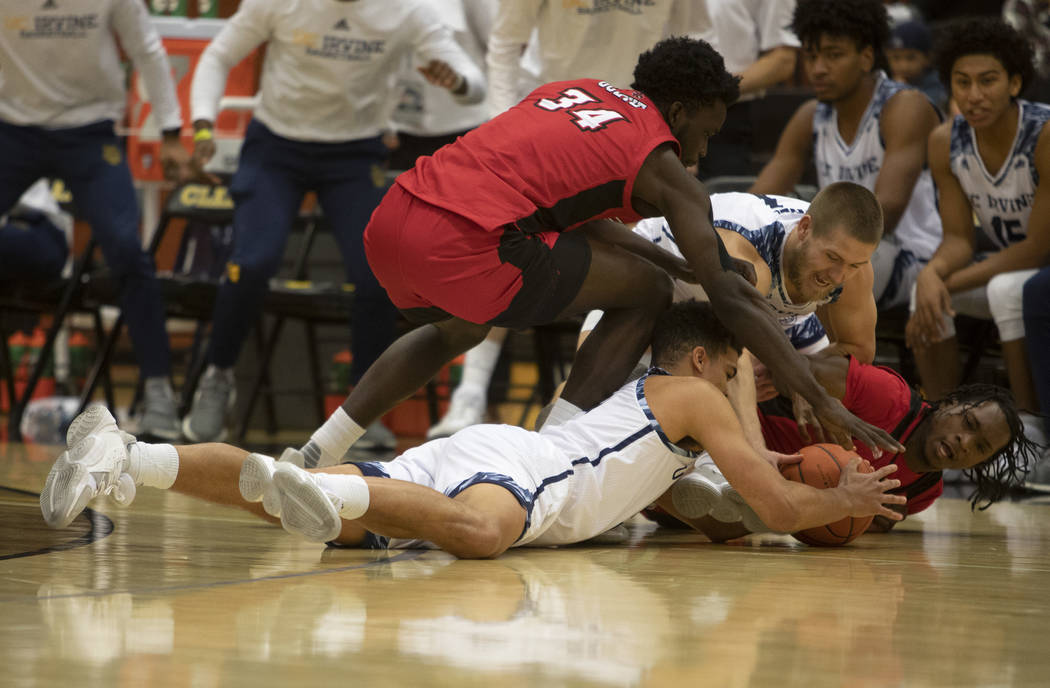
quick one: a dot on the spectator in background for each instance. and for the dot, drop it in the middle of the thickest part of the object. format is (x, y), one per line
(428, 116)
(57, 112)
(908, 54)
(864, 128)
(992, 161)
(581, 39)
(560, 41)
(34, 237)
(326, 95)
(755, 38)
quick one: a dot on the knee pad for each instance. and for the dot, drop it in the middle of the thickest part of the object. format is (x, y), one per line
(1004, 301)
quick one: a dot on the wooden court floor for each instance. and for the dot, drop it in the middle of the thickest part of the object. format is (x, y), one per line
(172, 592)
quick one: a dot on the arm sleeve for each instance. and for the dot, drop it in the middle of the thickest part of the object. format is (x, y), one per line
(437, 43)
(142, 43)
(244, 32)
(514, 24)
(774, 25)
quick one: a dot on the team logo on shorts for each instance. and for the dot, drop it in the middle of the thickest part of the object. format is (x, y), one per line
(233, 272)
(378, 176)
(111, 154)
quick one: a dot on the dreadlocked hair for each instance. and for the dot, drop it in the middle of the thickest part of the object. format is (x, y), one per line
(1006, 468)
(686, 70)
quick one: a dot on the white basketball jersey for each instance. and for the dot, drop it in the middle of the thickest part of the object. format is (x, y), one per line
(766, 222)
(1002, 200)
(919, 228)
(617, 462)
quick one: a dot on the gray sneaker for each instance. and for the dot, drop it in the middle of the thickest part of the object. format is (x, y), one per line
(159, 418)
(377, 438)
(213, 400)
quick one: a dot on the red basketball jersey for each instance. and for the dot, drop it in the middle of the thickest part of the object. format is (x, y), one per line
(566, 154)
(874, 394)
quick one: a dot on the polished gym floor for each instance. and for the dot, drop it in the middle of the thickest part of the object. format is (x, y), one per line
(174, 592)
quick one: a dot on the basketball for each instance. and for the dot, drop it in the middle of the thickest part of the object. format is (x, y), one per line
(820, 467)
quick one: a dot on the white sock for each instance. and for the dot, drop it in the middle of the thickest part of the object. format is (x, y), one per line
(351, 489)
(561, 412)
(153, 465)
(478, 364)
(333, 438)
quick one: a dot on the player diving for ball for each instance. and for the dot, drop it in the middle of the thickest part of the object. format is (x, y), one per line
(488, 488)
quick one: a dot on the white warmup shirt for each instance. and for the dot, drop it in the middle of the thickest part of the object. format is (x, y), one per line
(859, 161)
(581, 39)
(60, 66)
(428, 110)
(1002, 199)
(744, 29)
(330, 67)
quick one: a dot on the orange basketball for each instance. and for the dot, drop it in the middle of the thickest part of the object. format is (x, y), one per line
(820, 468)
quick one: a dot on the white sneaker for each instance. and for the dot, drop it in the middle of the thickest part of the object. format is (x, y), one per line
(256, 479)
(306, 508)
(95, 465)
(746, 515)
(459, 416)
(702, 493)
(95, 420)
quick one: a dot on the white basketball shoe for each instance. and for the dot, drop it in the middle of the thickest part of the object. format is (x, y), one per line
(702, 492)
(313, 505)
(256, 479)
(96, 463)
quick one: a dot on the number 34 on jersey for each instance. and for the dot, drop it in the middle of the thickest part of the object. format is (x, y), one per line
(581, 107)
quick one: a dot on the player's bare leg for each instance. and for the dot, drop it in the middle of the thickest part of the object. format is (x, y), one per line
(633, 293)
(408, 364)
(211, 472)
(338, 503)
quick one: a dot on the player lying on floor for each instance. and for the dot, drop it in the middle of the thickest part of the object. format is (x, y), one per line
(490, 487)
(976, 428)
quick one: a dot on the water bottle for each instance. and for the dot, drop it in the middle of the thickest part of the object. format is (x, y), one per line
(46, 420)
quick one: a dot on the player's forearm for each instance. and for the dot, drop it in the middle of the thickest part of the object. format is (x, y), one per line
(617, 234)
(775, 66)
(749, 317)
(953, 254)
(777, 177)
(812, 507)
(742, 396)
(1021, 256)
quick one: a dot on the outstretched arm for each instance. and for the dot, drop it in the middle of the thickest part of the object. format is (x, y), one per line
(664, 186)
(783, 505)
